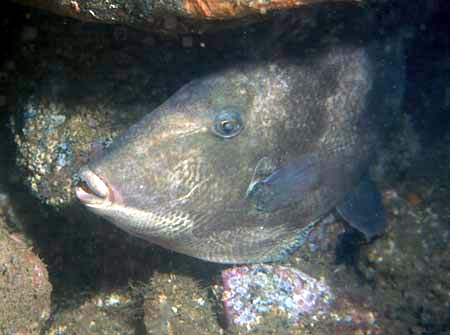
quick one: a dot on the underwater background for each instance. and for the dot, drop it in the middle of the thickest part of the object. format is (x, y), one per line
(68, 88)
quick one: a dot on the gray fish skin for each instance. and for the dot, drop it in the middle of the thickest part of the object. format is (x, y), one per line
(173, 180)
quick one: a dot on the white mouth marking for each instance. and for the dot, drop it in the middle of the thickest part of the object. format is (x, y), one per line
(98, 193)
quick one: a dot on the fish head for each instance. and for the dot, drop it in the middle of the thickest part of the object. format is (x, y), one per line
(186, 166)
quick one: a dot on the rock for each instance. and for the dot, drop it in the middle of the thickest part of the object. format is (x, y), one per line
(102, 313)
(170, 16)
(410, 264)
(175, 303)
(24, 287)
(71, 135)
(265, 298)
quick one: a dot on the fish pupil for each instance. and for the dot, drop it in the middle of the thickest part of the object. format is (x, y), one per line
(228, 126)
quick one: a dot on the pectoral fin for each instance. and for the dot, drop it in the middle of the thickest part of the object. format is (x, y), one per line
(274, 188)
(363, 209)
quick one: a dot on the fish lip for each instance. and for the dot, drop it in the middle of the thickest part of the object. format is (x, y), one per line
(100, 194)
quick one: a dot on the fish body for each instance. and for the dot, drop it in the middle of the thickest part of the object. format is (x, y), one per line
(238, 166)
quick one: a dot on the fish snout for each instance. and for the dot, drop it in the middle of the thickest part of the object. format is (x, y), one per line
(92, 190)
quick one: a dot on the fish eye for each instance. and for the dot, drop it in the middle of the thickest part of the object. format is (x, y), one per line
(228, 124)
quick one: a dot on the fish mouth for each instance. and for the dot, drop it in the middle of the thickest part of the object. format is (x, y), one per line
(93, 191)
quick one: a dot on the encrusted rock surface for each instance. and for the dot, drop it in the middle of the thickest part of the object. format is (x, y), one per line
(179, 16)
(56, 139)
(24, 284)
(176, 303)
(105, 313)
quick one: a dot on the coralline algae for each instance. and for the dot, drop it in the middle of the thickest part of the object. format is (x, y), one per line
(250, 292)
